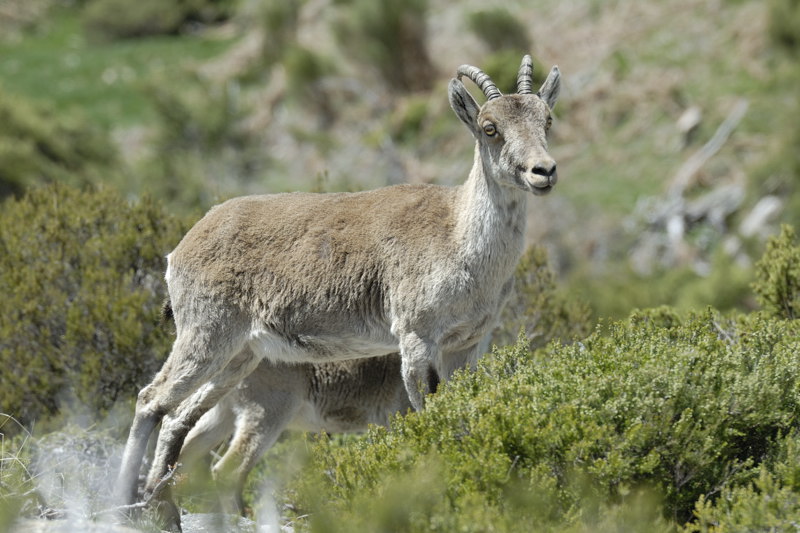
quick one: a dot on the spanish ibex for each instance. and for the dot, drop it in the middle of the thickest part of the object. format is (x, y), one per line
(300, 277)
(338, 397)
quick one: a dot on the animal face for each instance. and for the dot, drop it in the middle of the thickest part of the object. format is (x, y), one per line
(511, 130)
(512, 134)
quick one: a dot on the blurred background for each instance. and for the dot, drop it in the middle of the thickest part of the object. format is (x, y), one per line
(676, 133)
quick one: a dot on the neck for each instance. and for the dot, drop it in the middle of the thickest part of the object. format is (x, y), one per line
(491, 219)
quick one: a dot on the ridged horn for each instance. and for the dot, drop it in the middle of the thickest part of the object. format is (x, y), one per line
(525, 76)
(481, 79)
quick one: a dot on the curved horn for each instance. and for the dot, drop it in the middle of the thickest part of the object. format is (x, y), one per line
(525, 76)
(481, 79)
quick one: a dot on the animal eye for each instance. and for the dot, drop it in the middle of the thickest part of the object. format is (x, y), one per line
(490, 130)
(549, 122)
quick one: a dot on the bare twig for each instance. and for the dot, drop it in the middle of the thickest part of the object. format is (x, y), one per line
(696, 161)
(159, 488)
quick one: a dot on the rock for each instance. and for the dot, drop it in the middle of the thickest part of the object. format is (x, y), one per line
(31, 525)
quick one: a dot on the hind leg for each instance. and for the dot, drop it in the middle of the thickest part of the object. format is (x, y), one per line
(198, 354)
(176, 425)
(211, 430)
(263, 405)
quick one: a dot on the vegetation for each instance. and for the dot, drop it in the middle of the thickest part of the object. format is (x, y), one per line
(38, 145)
(660, 408)
(81, 275)
(118, 19)
(396, 40)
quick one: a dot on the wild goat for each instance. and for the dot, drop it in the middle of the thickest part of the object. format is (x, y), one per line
(338, 397)
(419, 269)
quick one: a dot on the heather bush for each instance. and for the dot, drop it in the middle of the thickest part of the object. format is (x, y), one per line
(81, 278)
(499, 29)
(537, 309)
(624, 430)
(201, 150)
(122, 19)
(39, 144)
(777, 284)
(770, 502)
(391, 37)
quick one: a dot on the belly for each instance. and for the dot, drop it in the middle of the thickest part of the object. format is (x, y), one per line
(316, 349)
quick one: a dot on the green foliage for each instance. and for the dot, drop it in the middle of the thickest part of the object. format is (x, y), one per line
(201, 151)
(784, 24)
(537, 309)
(408, 119)
(390, 36)
(39, 144)
(777, 284)
(500, 30)
(280, 20)
(645, 418)
(305, 71)
(771, 502)
(726, 287)
(16, 496)
(122, 19)
(81, 274)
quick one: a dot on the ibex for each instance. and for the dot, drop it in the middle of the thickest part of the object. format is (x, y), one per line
(339, 397)
(300, 277)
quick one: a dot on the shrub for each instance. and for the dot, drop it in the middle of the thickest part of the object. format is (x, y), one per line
(81, 274)
(122, 19)
(499, 29)
(777, 284)
(784, 24)
(645, 418)
(771, 502)
(280, 20)
(537, 309)
(391, 36)
(201, 151)
(40, 145)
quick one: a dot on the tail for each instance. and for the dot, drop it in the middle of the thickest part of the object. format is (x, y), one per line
(166, 311)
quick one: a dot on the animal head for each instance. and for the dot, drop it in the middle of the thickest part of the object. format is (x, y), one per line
(511, 129)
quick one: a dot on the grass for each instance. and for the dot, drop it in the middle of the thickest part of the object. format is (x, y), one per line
(56, 63)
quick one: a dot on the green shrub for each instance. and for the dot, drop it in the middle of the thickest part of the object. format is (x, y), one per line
(777, 284)
(537, 309)
(784, 24)
(499, 29)
(771, 502)
(122, 19)
(280, 20)
(391, 36)
(81, 274)
(39, 145)
(201, 152)
(645, 418)
(615, 294)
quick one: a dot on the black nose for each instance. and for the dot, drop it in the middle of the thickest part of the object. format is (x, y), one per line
(544, 169)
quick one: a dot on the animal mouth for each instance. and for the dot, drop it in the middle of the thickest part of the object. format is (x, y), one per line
(541, 190)
(539, 186)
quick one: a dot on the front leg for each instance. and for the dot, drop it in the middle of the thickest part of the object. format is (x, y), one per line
(420, 360)
(458, 359)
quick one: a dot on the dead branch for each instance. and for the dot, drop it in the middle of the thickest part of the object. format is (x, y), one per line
(691, 166)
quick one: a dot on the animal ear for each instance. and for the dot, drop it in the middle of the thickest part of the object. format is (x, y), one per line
(464, 105)
(551, 87)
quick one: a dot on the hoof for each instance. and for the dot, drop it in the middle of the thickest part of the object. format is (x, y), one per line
(168, 516)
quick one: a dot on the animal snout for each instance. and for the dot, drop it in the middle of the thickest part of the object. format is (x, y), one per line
(545, 168)
(541, 175)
